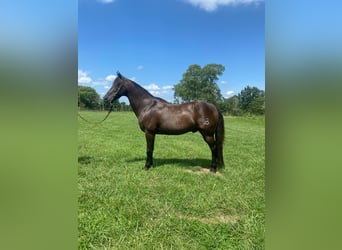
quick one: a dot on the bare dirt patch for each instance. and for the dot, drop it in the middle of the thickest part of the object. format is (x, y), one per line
(203, 171)
(221, 218)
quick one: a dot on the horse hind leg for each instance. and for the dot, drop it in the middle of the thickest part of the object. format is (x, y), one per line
(209, 139)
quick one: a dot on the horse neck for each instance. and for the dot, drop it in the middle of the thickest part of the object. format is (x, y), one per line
(138, 97)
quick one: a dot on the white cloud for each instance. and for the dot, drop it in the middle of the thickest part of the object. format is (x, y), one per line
(140, 67)
(168, 87)
(211, 5)
(229, 93)
(83, 77)
(223, 82)
(110, 78)
(152, 87)
(165, 92)
(106, 1)
(154, 92)
(100, 82)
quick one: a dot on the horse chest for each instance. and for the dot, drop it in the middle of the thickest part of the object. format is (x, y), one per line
(148, 123)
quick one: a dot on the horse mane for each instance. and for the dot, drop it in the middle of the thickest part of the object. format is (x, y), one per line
(161, 99)
(140, 87)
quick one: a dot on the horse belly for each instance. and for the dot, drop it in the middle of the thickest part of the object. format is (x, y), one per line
(175, 125)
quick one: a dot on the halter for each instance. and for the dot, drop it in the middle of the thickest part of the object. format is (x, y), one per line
(109, 111)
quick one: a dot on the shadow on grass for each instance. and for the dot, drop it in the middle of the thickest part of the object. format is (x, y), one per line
(158, 162)
(85, 159)
(187, 163)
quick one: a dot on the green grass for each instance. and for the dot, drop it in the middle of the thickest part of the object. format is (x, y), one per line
(176, 204)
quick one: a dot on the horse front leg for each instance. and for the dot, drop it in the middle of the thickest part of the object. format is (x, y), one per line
(149, 149)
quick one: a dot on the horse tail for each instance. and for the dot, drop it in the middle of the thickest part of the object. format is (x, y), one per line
(219, 138)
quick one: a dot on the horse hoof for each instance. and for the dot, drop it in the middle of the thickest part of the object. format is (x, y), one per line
(213, 170)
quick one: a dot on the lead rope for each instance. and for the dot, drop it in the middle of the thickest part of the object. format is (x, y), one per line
(84, 119)
(110, 110)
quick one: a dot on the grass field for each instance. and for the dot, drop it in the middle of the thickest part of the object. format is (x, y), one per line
(177, 204)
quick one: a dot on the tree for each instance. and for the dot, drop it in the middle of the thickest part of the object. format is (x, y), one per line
(88, 98)
(116, 106)
(252, 100)
(199, 84)
(230, 106)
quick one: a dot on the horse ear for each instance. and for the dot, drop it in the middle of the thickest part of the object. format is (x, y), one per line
(118, 74)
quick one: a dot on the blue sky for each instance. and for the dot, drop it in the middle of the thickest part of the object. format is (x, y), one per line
(153, 42)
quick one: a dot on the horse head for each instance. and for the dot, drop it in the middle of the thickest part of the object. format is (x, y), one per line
(117, 90)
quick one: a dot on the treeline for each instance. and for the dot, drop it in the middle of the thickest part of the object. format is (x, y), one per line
(250, 101)
(197, 83)
(89, 99)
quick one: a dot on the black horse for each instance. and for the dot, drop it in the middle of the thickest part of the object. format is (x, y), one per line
(157, 116)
